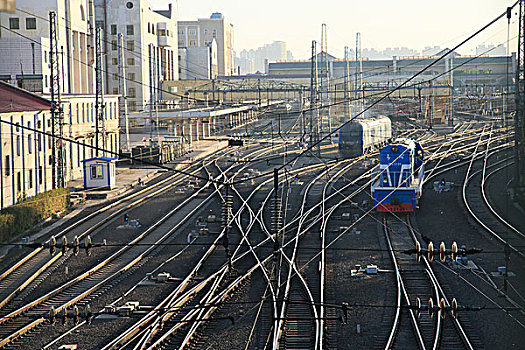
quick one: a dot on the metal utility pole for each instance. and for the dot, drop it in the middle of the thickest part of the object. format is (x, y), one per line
(123, 99)
(519, 120)
(57, 114)
(314, 108)
(100, 130)
(358, 72)
(346, 85)
(325, 80)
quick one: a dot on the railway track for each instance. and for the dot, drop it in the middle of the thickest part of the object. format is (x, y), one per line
(417, 280)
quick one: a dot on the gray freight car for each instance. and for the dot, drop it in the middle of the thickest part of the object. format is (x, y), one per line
(363, 135)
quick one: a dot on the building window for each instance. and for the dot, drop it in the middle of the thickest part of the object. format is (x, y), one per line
(115, 91)
(30, 23)
(205, 31)
(131, 61)
(7, 166)
(131, 45)
(40, 175)
(18, 145)
(131, 76)
(149, 27)
(96, 171)
(130, 30)
(214, 33)
(153, 29)
(192, 32)
(30, 175)
(114, 45)
(29, 143)
(50, 160)
(132, 92)
(115, 76)
(181, 31)
(114, 61)
(14, 23)
(18, 182)
(99, 24)
(82, 14)
(193, 43)
(113, 29)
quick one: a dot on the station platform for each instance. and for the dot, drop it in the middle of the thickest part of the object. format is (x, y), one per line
(130, 177)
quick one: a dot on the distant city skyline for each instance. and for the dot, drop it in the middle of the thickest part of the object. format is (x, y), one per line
(413, 24)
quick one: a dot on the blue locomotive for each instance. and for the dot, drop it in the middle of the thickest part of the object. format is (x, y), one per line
(363, 135)
(396, 185)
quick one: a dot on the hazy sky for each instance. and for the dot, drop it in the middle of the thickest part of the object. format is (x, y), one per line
(382, 23)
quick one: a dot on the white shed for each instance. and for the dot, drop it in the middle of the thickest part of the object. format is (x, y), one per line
(100, 172)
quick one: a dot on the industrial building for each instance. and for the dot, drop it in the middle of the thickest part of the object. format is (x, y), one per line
(464, 71)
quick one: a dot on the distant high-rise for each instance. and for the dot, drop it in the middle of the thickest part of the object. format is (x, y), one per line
(253, 61)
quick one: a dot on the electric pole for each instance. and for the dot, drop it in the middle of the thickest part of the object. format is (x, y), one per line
(57, 115)
(100, 130)
(346, 87)
(519, 120)
(314, 108)
(123, 99)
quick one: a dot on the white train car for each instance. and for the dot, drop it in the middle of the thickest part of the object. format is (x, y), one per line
(363, 135)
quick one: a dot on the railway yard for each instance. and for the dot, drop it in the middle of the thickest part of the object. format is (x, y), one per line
(267, 245)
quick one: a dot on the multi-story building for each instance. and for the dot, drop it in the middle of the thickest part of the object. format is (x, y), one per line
(198, 62)
(25, 153)
(256, 60)
(200, 33)
(24, 44)
(149, 47)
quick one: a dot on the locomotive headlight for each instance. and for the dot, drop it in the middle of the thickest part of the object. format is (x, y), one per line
(394, 149)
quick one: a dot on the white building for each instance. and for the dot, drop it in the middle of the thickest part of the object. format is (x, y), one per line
(198, 62)
(26, 162)
(200, 33)
(25, 45)
(150, 48)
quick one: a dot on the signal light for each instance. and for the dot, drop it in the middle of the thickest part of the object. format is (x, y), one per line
(454, 307)
(443, 307)
(442, 252)
(344, 307)
(76, 245)
(52, 245)
(64, 245)
(52, 315)
(76, 314)
(454, 251)
(430, 252)
(431, 308)
(88, 245)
